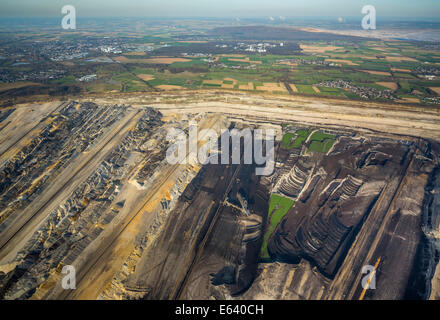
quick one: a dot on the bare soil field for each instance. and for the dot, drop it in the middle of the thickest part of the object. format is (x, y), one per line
(401, 70)
(146, 77)
(435, 89)
(378, 73)
(218, 82)
(249, 86)
(411, 100)
(135, 53)
(245, 60)
(319, 49)
(390, 85)
(167, 87)
(400, 59)
(271, 87)
(293, 87)
(287, 63)
(348, 62)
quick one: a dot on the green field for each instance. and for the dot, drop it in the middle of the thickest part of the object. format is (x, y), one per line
(306, 89)
(321, 142)
(300, 135)
(363, 64)
(65, 80)
(278, 208)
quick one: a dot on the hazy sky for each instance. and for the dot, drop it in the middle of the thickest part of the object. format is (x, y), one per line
(220, 8)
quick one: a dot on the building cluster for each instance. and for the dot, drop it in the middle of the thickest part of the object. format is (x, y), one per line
(363, 92)
(69, 50)
(88, 78)
(427, 72)
(258, 47)
(309, 62)
(431, 100)
(9, 76)
(43, 61)
(261, 47)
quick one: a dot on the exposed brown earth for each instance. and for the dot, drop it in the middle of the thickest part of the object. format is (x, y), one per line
(87, 184)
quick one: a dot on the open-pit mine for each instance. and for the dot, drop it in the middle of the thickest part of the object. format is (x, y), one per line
(350, 211)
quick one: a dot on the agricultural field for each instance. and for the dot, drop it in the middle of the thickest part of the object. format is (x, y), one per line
(303, 63)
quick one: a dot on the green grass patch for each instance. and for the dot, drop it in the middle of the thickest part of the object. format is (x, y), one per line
(65, 81)
(301, 135)
(133, 86)
(212, 85)
(404, 75)
(196, 62)
(287, 139)
(323, 147)
(137, 70)
(320, 136)
(307, 89)
(100, 86)
(332, 91)
(321, 142)
(278, 208)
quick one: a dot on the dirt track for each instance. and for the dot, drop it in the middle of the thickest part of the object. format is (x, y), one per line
(408, 120)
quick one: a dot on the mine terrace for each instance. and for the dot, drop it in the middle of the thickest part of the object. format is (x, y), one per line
(88, 185)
